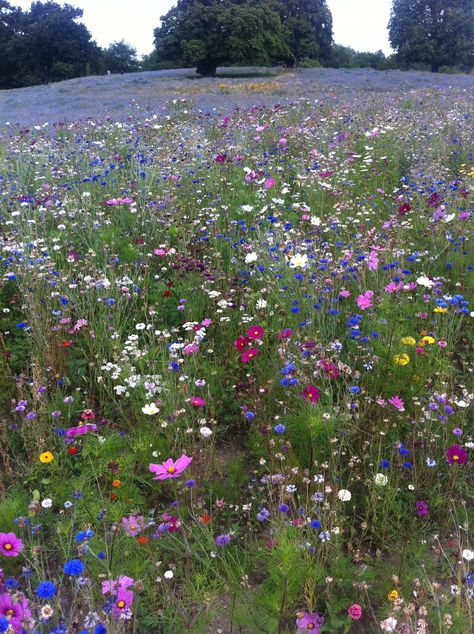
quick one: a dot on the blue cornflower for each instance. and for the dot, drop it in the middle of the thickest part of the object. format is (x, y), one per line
(283, 508)
(315, 524)
(279, 429)
(385, 464)
(101, 555)
(11, 583)
(46, 589)
(190, 483)
(82, 535)
(263, 515)
(74, 567)
(100, 629)
(354, 389)
(4, 624)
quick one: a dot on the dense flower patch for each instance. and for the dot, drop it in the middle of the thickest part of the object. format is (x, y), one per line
(236, 367)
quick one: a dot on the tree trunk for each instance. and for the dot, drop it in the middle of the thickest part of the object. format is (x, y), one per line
(207, 67)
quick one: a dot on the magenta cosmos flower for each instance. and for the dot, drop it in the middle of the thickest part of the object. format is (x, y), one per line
(170, 469)
(123, 601)
(122, 583)
(197, 401)
(311, 394)
(255, 332)
(80, 430)
(249, 355)
(15, 612)
(10, 544)
(309, 622)
(456, 455)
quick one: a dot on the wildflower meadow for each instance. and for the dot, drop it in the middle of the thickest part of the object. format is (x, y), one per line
(236, 355)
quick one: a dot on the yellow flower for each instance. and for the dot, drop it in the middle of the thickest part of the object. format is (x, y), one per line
(409, 341)
(46, 457)
(401, 359)
(440, 309)
(393, 595)
(427, 340)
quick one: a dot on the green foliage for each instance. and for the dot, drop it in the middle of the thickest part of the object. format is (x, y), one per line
(44, 44)
(120, 57)
(433, 32)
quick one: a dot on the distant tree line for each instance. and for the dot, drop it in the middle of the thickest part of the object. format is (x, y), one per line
(49, 43)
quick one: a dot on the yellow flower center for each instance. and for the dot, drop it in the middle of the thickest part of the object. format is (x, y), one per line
(455, 457)
(121, 604)
(310, 626)
(8, 546)
(10, 612)
(171, 469)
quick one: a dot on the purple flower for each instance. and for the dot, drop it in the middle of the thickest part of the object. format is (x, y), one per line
(222, 540)
(456, 455)
(422, 508)
(263, 515)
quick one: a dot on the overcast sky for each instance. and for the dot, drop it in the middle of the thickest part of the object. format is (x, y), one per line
(361, 24)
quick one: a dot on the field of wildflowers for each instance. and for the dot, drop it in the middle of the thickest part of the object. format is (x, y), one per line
(236, 355)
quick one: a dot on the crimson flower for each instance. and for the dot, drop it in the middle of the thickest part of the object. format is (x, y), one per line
(250, 354)
(311, 393)
(241, 343)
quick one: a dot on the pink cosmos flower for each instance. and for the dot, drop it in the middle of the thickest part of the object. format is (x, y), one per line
(373, 261)
(80, 430)
(365, 301)
(133, 525)
(160, 252)
(197, 401)
(397, 402)
(250, 354)
(285, 333)
(10, 545)
(255, 332)
(123, 582)
(123, 601)
(15, 612)
(309, 622)
(205, 323)
(190, 349)
(118, 201)
(355, 611)
(269, 183)
(393, 288)
(311, 393)
(344, 293)
(170, 469)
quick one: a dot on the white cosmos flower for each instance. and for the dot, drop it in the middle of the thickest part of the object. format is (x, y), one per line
(425, 281)
(344, 495)
(47, 503)
(150, 409)
(380, 479)
(205, 432)
(468, 555)
(299, 260)
(389, 624)
(251, 257)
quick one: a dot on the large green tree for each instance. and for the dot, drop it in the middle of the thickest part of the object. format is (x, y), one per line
(50, 44)
(211, 33)
(308, 27)
(433, 32)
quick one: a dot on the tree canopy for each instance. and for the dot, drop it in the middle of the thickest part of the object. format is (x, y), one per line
(433, 32)
(209, 33)
(43, 44)
(120, 57)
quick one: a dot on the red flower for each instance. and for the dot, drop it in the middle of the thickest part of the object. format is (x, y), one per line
(66, 343)
(205, 518)
(255, 332)
(285, 334)
(142, 539)
(250, 354)
(241, 343)
(72, 451)
(311, 393)
(403, 209)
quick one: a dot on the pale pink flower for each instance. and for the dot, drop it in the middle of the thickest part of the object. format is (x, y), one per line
(170, 468)
(365, 301)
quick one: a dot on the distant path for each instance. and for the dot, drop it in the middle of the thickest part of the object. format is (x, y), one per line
(152, 92)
